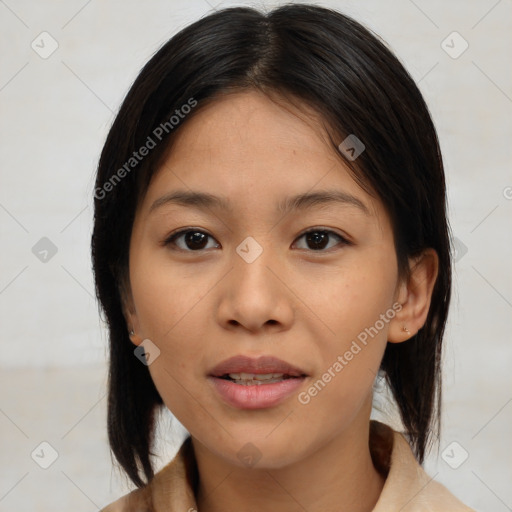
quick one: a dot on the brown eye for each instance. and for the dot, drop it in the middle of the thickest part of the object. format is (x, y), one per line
(318, 239)
(193, 240)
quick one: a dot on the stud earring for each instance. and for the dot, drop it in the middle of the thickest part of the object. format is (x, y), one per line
(406, 330)
(131, 332)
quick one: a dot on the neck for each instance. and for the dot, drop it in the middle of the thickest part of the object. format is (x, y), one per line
(339, 476)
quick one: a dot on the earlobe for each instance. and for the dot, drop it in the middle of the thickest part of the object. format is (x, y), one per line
(130, 316)
(414, 296)
(134, 338)
(132, 324)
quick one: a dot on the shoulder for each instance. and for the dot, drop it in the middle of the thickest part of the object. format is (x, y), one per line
(407, 486)
(116, 506)
(171, 488)
(135, 501)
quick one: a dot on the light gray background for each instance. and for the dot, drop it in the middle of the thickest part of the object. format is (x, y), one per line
(55, 114)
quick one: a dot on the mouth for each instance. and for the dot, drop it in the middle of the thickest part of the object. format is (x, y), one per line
(248, 383)
(244, 369)
(257, 379)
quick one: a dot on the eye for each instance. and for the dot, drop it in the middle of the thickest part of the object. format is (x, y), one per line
(193, 239)
(317, 239)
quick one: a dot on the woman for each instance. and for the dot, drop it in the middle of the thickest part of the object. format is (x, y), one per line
(270, 233)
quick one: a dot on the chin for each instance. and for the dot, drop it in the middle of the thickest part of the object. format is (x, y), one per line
(260, 452)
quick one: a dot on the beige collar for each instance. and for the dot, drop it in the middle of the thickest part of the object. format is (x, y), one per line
(407, 488)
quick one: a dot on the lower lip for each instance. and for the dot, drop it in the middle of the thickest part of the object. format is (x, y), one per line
(256, 396)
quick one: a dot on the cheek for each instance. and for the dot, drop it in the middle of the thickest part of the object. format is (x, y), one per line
(171, 318)
(357, 308)
(169, 305)
(353, 297)
(164, 293)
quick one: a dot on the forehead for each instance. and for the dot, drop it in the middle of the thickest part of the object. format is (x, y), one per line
(254, 152)
(236, 125)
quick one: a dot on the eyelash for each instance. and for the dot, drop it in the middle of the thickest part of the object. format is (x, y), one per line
(171, 238)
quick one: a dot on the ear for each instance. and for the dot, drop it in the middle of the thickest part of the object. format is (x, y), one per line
(130, 313)
(414, 294)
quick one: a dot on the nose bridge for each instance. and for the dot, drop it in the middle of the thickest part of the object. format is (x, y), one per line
(251, 264)
(253, 294)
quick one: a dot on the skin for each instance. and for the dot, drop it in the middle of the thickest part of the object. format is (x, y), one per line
(302, 305)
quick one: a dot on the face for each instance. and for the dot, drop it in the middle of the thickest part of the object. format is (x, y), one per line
(315, 285)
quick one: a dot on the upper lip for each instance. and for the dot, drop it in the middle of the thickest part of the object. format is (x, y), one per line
(260, 365)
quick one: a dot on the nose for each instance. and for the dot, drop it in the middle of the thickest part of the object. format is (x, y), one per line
(256, 295)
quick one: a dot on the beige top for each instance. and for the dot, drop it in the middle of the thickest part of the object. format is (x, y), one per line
(407, 488)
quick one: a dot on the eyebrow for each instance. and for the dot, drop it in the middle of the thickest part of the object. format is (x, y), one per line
(204, 200)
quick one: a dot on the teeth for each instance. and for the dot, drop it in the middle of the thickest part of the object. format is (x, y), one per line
(256, 376)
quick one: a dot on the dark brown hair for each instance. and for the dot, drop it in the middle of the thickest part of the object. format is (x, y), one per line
(327, 61)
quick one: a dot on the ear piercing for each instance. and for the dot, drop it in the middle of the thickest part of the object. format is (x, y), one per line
(131, 333)
(406, 330)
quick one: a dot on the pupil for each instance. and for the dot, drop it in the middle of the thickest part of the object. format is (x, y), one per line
(317, 239)
(195, 240)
